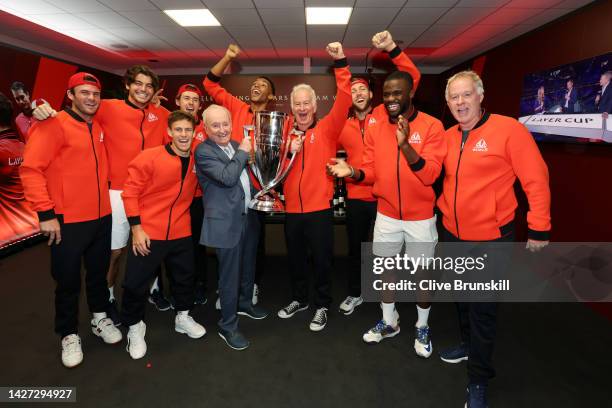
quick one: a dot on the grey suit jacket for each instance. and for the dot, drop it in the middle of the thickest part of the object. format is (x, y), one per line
(222, 194)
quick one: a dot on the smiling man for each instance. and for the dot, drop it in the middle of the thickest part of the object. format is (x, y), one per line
(308, 191)
(65, 178)
(486, 154)
(402, 158)
(158, 191)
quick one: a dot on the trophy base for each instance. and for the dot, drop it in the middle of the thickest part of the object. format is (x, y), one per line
(267, 203)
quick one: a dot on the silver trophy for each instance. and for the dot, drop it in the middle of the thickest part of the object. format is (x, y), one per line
(270, 159)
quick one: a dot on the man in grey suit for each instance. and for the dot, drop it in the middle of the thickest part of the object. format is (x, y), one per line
(229, 225)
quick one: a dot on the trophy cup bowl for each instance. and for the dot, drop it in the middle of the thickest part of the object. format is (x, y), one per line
(270, 159)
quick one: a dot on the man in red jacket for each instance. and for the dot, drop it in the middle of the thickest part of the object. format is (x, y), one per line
(189, 100)
(157, 195)
(308, 191)
(65, 178)
(402, 158)
(361, 203)
(486, 154)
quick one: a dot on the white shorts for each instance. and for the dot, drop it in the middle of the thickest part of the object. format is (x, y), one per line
(121, 227)
(418, 237)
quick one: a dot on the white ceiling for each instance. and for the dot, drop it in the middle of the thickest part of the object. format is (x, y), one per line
(272, 33)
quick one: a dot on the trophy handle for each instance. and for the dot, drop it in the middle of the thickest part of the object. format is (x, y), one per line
(246, 131)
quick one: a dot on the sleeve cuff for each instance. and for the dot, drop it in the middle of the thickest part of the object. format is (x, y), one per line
(134, 220)
(538, 235)
(46, 215)
(361, 176)
(395, 52)
(341, 63)
(418, 165)
(213, 77)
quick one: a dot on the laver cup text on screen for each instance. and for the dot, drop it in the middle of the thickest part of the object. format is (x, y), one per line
(270, 158)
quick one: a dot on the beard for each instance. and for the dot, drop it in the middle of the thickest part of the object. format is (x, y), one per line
(403, 110)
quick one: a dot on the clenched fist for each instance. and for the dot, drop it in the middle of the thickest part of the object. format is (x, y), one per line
(383, 41)
(232, 51)
(335, 50)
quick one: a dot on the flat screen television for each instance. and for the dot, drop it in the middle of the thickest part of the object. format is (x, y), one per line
(570, 102)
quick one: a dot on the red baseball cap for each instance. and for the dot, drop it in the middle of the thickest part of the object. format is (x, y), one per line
(360, 81)
(188, 88)
(83, 78)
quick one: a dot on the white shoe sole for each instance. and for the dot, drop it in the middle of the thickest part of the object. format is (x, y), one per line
(317, 328)
(229, 345)
(388, 336)
(454, 361)
(251, 316)
(182, 331)
(287, 316)
(346, 313)
(127, 348)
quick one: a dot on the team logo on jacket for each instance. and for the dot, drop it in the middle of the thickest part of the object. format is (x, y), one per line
(200, 136)
(481, 146)
(415, 138)
(151, 117)
(101, 137)
(372, 121)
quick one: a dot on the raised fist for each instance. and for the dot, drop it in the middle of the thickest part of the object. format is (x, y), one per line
(232, 51)
(383, 41)
(335, 50)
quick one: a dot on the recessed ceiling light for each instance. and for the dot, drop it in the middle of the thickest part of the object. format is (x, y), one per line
(328, 15)
(193, 17)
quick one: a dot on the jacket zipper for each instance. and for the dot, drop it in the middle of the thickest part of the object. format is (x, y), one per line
(141, 131)
(399, 190)
(301, 174)
(457, 183)
(177, 197)
(93, 147)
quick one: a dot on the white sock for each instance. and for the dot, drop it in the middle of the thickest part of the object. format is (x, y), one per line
(154, 286)
(98, 316)
(423, 315)
(112, 295)
(389, 314)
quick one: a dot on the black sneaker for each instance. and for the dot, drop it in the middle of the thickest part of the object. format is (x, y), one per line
(200, 295)
(113, 312)
(235, 340)
(455, 354)
(254, 312)
(160, 302)
(476, 396)
(291, 309)
(319, 320)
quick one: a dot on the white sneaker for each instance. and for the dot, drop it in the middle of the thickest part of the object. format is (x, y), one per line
(255, 294)
(72, 354)
(136, 345)
(350, 303)
(184, 324)
(106, 330)
(381, 331)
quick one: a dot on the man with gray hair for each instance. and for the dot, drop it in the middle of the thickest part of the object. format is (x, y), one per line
(486, 153)
(308, 191)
